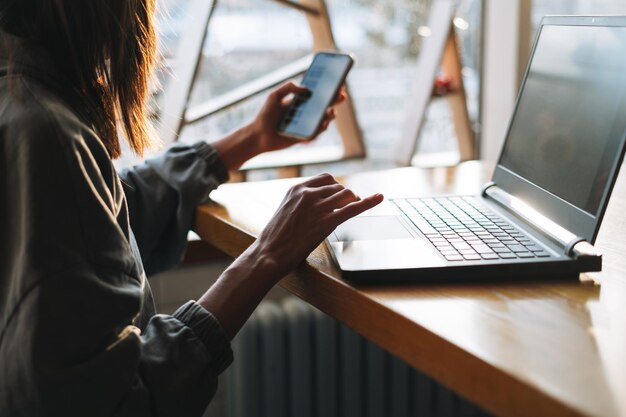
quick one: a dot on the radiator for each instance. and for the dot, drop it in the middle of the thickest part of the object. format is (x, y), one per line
(291, 360)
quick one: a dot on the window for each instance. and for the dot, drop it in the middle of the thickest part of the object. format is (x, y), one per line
(248, 38)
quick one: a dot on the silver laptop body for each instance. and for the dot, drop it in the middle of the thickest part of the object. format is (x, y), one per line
(539, 215)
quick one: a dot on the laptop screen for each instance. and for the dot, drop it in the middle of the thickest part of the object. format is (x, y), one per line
(571, 118)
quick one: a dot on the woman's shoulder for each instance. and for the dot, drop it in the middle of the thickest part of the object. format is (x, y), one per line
(43, 139)
(35, 115)
(36, 124)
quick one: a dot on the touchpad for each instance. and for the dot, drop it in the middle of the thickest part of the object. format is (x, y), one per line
(372, 228)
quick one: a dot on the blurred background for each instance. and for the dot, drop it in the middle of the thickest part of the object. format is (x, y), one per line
(249, 38)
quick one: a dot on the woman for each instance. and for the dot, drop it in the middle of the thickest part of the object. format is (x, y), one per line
(78, 331)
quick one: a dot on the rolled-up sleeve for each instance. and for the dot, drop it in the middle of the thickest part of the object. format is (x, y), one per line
(85, 362)
(162, 194)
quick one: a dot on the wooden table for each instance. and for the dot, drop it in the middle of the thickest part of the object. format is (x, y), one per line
(516, 349)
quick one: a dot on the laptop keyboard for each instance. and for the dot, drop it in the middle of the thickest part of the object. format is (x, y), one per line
(463, 229)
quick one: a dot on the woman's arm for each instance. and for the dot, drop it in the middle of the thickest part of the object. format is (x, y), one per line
(307, 215)
(260, 135)
(162, 193)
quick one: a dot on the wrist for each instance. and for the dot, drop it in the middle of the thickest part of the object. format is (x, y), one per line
(255, 132)
(265, 264)
(238, 147)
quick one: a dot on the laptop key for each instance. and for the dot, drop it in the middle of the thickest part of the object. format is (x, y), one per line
(437, 239)
(501, 250)
(422, 224)
(482, 248)
(454, 257)
(475, 257)
(517, 248)
(460, 229)
(447, 252)
(461, 245)
(489, 256)
(542, 254)
(437, 224)
(490, 240)
(525, 254)
(473, 241)
(507, 255)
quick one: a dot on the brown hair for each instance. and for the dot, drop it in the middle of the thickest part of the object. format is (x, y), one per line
(106, 50)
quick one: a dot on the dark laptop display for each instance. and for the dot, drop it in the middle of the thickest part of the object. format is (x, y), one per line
(542, 210)
(571, 119)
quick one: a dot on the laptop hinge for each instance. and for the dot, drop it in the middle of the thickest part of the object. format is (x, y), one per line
(573, 245)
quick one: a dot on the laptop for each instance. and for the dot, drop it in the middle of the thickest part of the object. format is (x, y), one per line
(540, 213)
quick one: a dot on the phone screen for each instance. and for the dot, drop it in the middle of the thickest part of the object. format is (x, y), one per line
(323, 78)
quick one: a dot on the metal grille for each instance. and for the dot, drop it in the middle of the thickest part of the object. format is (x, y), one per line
(293, 360)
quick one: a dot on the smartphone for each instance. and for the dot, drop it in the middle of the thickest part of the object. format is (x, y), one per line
(324, 78)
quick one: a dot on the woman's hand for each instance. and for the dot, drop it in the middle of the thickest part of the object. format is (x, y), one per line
(308, 214)
(262, 134)
(266, 122)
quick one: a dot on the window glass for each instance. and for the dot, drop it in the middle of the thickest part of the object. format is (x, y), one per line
(249, 38)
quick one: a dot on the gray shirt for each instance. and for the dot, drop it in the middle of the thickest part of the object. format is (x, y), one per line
(78, 331)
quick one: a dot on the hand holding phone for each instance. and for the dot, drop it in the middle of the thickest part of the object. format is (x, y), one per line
(324, 78)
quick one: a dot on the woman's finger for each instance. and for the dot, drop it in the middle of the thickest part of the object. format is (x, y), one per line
(320, 180)
(328, 118)
(287, 88)
(357, 207)
(340, 199)
(327, 191)
(323, 127)
(341, 96)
